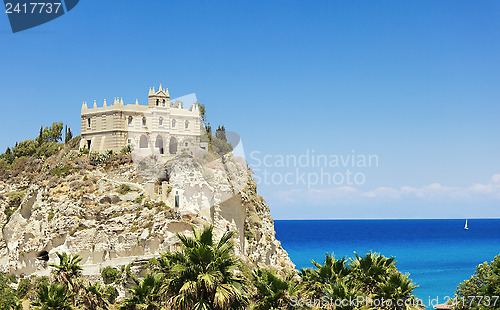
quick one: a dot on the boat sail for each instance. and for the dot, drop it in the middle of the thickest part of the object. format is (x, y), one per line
(466, 227)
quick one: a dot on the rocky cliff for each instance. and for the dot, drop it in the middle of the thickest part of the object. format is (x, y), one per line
(112, 209)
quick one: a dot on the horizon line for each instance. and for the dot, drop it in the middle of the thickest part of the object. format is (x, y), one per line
(378, 219)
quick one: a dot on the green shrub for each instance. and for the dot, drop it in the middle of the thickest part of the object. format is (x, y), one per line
(48, 149)
(111, 293)
(124, 188)
(12, 278)
(110, 274)
(62, 171)
(127, 149)
(139, 199)
(84, 151)
(50, 216)
(23, 288)
(25, 148)
(15, 198)
(97, 158)
(4, 165)
(248, 236)
(159, 205)
(484, 282)
(221, 147)
(8, 297)
(40, 281)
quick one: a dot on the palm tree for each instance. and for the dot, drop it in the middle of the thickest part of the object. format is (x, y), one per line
(93, 297)
(68, 268)
(146, 294)
(315, 280)
(273, 292)
(372, 269)
(163, 264)
(397, 287)
(67, 272)
(53, 297)
(205, 274)
(345, 289)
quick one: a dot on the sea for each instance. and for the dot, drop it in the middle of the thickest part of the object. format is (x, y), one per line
(437, 253)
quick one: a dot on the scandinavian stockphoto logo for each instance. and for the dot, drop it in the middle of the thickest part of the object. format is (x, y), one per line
(26, 14)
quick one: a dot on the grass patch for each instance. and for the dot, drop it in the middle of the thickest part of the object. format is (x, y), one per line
(15, 199)
(62, 171)
(50, 216)
(248, 236)
(139, 199)
(124, 188)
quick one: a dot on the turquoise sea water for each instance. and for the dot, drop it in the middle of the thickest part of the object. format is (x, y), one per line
(438, 254)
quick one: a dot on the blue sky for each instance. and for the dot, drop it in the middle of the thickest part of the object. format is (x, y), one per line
(414, 82)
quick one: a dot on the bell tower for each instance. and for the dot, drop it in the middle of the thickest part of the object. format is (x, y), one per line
(161, 98)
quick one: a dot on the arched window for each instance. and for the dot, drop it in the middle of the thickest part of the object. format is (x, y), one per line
(130, 120)
(157, 102)
(163, 102)
(88, 122)
(160, 121)
(144, 121)
(186, 125)
(173, 123)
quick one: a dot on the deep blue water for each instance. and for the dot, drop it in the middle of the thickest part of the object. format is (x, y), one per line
(438, 254)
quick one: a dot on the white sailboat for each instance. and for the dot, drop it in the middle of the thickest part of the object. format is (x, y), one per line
(466, 227)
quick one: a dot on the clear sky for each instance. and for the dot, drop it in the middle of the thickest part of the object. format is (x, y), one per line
(415, 83)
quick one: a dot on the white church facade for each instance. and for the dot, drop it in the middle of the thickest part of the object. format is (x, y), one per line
(163, 126)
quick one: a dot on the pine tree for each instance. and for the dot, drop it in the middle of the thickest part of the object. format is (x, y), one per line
(69, 135)
(40, 135)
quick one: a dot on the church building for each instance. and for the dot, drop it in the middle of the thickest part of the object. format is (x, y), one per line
(163, 126)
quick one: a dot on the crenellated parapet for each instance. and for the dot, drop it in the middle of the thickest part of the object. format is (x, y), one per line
(156, 99)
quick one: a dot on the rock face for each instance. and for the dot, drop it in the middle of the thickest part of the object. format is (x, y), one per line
(114, 211)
